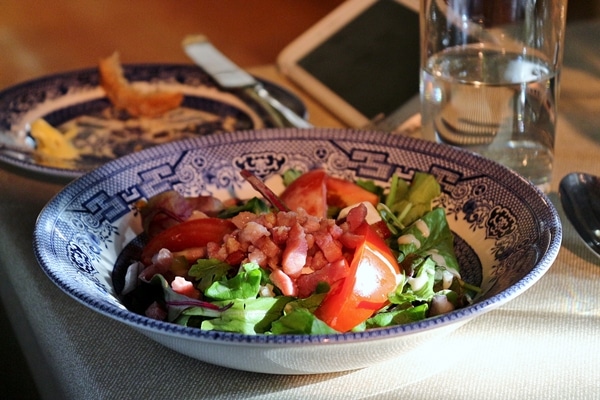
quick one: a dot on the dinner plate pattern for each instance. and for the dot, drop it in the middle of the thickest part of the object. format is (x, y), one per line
(75, 100)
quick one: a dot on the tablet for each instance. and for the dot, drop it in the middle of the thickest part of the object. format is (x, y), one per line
(361, 61)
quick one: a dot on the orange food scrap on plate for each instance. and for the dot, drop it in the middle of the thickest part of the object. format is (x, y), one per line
(123, 95)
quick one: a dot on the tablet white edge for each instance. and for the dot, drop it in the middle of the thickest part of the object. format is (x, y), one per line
(287, 60)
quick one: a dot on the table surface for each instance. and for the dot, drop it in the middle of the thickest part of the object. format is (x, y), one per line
(545, 343)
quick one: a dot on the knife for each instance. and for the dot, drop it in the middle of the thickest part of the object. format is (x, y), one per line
(17, 142)
(229, 76)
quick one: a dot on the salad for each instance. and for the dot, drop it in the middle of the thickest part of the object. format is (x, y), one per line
(325, 256)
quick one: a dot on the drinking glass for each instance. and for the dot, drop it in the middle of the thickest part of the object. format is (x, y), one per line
(490, 79)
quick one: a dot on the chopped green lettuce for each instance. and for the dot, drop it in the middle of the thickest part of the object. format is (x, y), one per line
(301, 321)
(250, 316)
(430, 236)
(207, 271)
(254, 205)
(397, 316)
(244, 285)
(290, 176)
(408, 202)
(420, 285)
(177, 303)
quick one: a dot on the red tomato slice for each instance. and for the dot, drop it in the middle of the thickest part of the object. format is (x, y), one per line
(372, 276)
(342, 193)
(309, 192)
(188, 234)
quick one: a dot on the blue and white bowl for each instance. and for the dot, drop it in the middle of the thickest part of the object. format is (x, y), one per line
(507, 234)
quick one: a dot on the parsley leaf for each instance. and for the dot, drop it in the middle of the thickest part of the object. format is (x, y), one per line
(208, 271)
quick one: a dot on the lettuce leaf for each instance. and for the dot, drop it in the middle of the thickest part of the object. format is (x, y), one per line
(244, 285)
(176, 303)
(436, 241)
(208, 271)
(249, 316)
(301, 321)
(254, 205)
(421, 285)
(397, 316)
(409, 202)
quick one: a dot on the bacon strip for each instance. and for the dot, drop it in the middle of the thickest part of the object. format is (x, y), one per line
(264, 190)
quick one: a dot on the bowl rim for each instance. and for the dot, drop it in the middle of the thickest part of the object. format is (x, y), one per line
(143, 323)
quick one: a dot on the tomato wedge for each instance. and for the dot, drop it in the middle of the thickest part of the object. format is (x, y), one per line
(309, 192)
(315, 190)
(342, 193)
(372, 276)
(188, 234)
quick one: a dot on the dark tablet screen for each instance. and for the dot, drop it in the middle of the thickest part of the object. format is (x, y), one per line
(373, 62)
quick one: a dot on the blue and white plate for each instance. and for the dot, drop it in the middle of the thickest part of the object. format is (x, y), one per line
(75, 99)
(507, 234)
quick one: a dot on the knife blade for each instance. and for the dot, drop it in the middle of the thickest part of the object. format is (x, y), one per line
(229, 76)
